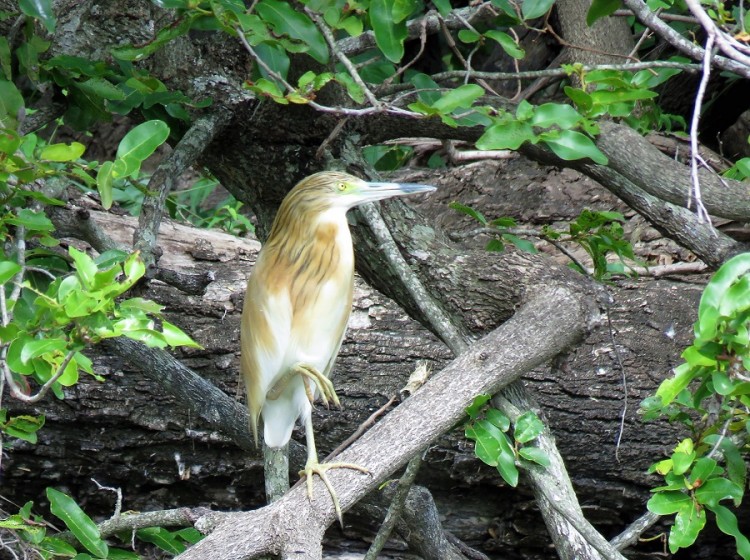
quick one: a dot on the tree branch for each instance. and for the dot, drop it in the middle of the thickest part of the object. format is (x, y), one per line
(650, 20)
(551, 321)
(186, 152)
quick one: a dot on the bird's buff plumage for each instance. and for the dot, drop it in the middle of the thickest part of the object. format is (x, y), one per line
(298, 302)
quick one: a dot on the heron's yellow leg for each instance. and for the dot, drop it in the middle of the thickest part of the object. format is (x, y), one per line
(313, 466)
(325, 385)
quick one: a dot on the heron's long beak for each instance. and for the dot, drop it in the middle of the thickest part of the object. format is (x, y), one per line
(377, 191)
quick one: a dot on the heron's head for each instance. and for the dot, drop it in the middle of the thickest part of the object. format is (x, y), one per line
(334, 189)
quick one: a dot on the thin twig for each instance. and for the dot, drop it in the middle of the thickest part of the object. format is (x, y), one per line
(438, 318)
(727, 44)
(618, 358)
(396, 507)
(16, 391)
(118, 494)
(647, 17)
(363, 427)
(343, 59)
(695, 193)
(187, 151)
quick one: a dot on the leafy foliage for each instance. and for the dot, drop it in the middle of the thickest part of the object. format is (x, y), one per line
(709, 394)
(599, 233)
(57, 303)
(489, 429)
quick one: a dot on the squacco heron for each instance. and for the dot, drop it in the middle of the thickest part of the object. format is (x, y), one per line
(297, 305)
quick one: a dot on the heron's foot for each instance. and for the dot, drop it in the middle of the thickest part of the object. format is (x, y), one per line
(324, 385)
(314, 467)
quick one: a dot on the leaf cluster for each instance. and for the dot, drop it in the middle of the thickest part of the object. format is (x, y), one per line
(85, 541)
(709, 394)
(490, 430)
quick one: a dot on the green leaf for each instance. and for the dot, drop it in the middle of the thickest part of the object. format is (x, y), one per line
(488, 442)
(176, 337)
(134, 269)
(24, 427)
(508, 43)
(717, 489)
(62, 152)
(714, 292)
(37, 348)
(287, 21)
(99, 87)
(461, 97)
(497, 418)
(139, 143)
(556, 114)
(495, 245)
(535, 455)
(161, 538)
(528, 427)
(85, 530)
(506, 136)
(506, 462)
(469, 211)
(57, 547)
(275, 57)
(468, 36)
(104, 180)
(737, 298)
(572, 145)
(11, 105)
(84, 265)
(32, 220)
(579, 97)
(687, 524)
(681, 462)
(389, 35)
(9, 141)
(606, 97)
(521, 244)
(41, 10)
(189, 534)
(532, 9)
(476, 405)
(703, 469)
(667, 503)
(726, 521)
(670, 388)
(600, 9)
(8, 269)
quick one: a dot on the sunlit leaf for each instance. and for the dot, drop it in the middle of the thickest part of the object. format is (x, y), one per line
(572, 145)
(63, 152)
(139, 143)
(532, 9)
(85, 530)
(508, 43)
(41, 10)
(506, 136)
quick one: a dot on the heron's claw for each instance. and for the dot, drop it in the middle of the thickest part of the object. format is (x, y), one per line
(314, 467)
(324, 385)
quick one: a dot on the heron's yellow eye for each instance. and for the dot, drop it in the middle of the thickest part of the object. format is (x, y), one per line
(342, 186)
